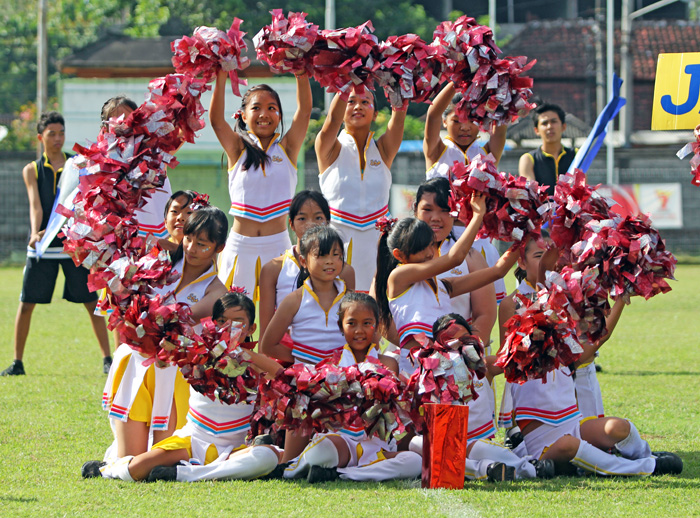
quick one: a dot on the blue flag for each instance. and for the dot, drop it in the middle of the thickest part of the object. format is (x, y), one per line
(595, 139)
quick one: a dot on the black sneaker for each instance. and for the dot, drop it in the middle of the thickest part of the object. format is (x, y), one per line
(321, 474)
(277, 473)
(106, 364)
(499, 472)
(544, 468)
(668, 464)
(513, 441)
(598, 368)
(91, 469)
(168, 473)
(15, 369)
(265, 439)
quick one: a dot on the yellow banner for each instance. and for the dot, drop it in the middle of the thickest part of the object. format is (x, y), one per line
(676, 92)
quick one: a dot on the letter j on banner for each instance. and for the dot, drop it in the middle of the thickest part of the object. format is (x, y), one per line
(676, 92)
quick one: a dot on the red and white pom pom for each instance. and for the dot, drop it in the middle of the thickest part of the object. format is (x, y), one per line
(287, 44)
(209, 50)
(494, 90)
(516, 208)
(346, 59)
(410, 69)
(692, 147)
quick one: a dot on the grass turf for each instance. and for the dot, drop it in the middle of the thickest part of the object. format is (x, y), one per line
(52, 422)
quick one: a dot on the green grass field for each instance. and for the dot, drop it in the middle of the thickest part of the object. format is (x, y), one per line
(51, 422)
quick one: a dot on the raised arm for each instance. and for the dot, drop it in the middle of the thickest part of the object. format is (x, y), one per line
(36, 213)
(327, 146)
(474, 281)
(610, 324)
(228, 138)
(483, 300)
(294, 138)
(526, 166)
(506, 309)
(433, 146)
(389, 143)
(497, 141)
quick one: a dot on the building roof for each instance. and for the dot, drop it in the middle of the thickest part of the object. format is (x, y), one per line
(117, 55)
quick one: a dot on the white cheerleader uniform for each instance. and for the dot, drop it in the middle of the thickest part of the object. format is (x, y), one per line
(129, 379)
(415, 311)
(260, 194)
(490, 253)
(357, 199)
(482, 422)
(453, 153)
(461, 304)
(505, 414)
(151, 217)
(287, 279)
(314, 331)
(588, 394)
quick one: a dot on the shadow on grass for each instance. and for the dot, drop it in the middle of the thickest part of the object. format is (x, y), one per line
(20, 499)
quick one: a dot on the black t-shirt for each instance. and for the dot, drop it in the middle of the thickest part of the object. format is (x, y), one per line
(548, 167)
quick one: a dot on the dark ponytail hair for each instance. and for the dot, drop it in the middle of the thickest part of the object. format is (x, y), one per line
(444, 322)
(318, 240)
(302, 197)
(234, 299)
(410, 236)
(255, 157)
(210, 221)
(357, 297)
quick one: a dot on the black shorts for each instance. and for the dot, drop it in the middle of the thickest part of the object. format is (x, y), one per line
(40, 280)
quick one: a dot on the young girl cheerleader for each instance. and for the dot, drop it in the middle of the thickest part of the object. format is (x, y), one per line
(211, 444)
(355, 175)
(177, 209)
(460, 145)
(485, 459)
(407, 292)
(478, 307)
(309, 311)
(548, 416)
(350, 454)
(278, 278)
(148, 400)
(262, 176)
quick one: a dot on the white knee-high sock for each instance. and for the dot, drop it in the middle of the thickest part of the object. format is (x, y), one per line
(118, 469)
(416, 444)
(490, 451)
(407, 464)
(252, 463)
(320, 452)
(592, 459)
(633, 446)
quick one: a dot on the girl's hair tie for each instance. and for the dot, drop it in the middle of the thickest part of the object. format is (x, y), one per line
(238, 114)
(199, 201)
(384, 224)
(238, 289)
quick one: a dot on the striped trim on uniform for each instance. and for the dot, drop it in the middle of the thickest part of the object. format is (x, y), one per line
(158, 231)
(413, 328)
(353, 220)
(356, 432)
(55, 252)
(260, 214)
(118, 412)
(159, 422)
(307, 354)
(485, 431)
(547, 416)
(216, 428)
(505, 420)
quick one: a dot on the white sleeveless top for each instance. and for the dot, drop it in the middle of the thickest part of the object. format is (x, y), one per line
(357, 197)
(315, 333)
(417, 308)
(461, 304)
(264, 193)
(287, 279)
(481, 412)
(151, 217)
(217, 418)
(348, 357)
(553, 402)
(452, 154)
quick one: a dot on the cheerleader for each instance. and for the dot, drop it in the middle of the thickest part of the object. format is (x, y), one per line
(145, 400)
(355, 175)
(278, 278)
(262, 176)
(351, 454)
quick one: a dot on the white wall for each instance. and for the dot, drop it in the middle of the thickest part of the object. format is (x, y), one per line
(82, 100)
